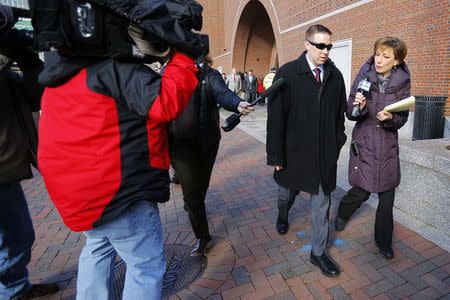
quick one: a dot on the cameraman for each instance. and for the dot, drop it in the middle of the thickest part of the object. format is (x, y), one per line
(103, 153)
(18, 141)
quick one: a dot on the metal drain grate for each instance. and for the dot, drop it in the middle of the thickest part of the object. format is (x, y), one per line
(182, 269)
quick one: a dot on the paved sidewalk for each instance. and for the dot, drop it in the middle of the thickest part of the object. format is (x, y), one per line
(252, 261)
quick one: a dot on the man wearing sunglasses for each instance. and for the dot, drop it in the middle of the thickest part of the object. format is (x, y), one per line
(305, 133)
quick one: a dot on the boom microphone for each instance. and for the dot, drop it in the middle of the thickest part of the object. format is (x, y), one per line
(233, 120)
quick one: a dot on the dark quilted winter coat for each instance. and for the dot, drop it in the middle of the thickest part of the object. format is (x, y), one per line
(378, 167)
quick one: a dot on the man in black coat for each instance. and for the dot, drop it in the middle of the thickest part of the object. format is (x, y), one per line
(251, 85)
(305, 133)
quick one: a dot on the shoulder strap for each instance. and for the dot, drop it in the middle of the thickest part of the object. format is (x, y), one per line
(205, 92)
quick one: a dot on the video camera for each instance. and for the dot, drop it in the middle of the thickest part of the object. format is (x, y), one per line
(15, 45)
(130, 29)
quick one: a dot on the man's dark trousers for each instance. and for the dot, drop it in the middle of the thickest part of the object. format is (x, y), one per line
(193, 168)
(16, 239)
(251, 97)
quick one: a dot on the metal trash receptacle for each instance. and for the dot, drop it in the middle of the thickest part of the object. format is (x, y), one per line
(429, 118)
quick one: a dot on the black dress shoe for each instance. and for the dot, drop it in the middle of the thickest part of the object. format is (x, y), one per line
(339, 224)
(387, 253)
(282, 227)
(201, 247)
(327, 267)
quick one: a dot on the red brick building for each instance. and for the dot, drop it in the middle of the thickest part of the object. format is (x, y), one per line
(252, 34)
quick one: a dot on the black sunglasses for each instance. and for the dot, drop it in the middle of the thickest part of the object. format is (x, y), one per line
(321, 46)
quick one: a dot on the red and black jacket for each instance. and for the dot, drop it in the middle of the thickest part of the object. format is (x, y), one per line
(103, 137)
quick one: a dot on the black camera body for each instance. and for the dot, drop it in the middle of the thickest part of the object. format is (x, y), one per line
(129, 29)
(79, 28)
(7, 18)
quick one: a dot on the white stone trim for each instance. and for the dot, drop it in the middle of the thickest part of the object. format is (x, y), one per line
(276, 16)
(347, 42)
(221, 55)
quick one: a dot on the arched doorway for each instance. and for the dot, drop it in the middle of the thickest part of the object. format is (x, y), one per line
(255, 47)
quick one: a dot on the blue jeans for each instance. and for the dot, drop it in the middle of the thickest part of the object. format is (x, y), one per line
(136, 235)
(16, 239)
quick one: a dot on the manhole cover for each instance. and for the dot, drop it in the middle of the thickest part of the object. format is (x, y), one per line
(182, 269)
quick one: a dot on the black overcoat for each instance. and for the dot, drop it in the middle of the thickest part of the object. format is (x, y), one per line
(305, 127)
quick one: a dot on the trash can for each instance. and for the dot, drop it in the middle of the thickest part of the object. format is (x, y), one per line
(429, 118)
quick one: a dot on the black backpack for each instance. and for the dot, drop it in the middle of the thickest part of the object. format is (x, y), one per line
(188, 123)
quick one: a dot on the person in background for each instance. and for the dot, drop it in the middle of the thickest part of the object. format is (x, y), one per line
(234, 81)
(374, 165)
(268, 79)
(260, 89)
(193, 158)
(251, 85)
(305, 133)
(224, 77)
(21, 95)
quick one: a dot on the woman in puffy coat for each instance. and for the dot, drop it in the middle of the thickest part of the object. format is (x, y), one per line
(374, 165)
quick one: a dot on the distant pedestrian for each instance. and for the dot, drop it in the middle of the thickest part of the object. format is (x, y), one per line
(234, 81)
(251, 85)
(268, 79)
(305, 133)
(260, 89)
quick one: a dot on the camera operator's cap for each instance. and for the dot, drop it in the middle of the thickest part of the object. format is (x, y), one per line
(171, 21)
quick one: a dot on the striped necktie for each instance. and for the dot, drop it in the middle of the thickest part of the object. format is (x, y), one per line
(317, 74)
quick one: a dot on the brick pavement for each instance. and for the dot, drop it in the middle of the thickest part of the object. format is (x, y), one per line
(241, 208)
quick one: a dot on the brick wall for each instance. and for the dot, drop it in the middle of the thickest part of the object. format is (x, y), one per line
(422, 24)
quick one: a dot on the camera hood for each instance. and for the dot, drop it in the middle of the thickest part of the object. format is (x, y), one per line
(171, 21)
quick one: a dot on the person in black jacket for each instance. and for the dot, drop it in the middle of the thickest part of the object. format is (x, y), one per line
(18, 141)
(305, 133)
(251, 85)
(193, 158)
